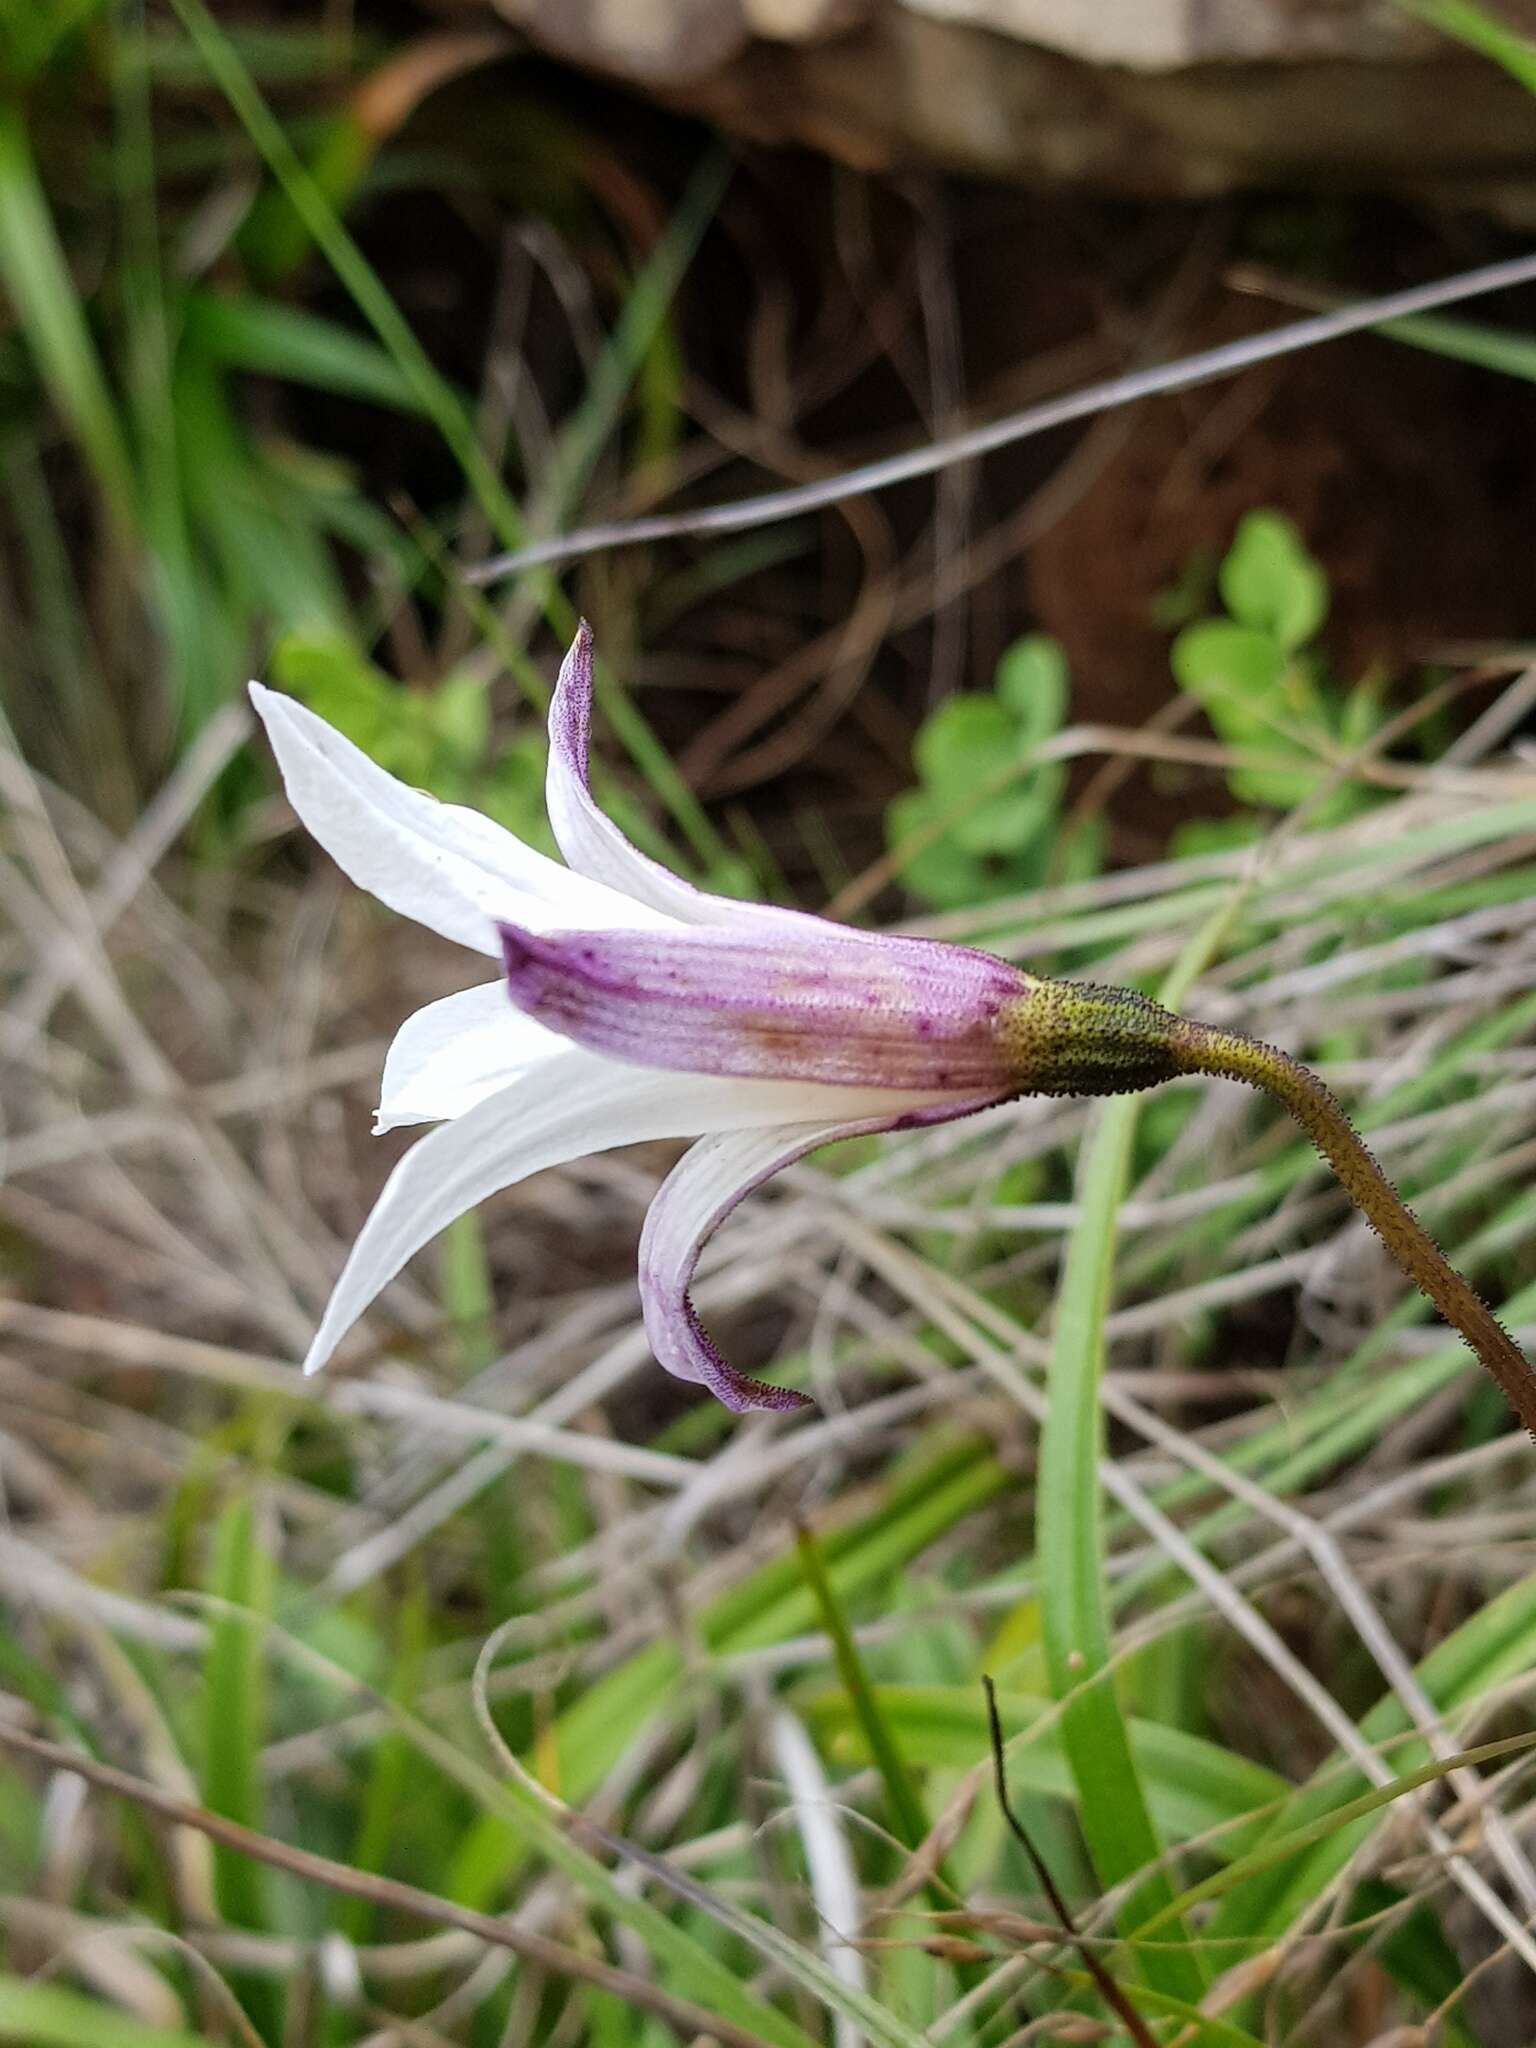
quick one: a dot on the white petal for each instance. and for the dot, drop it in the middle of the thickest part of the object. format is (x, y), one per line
(560, 1109)
(595, 846)
(448, 867)
(694, 1200)
(455, 1052)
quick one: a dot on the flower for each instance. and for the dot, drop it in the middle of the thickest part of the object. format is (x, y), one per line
(631, 1006)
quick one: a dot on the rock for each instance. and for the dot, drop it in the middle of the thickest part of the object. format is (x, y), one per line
(1154, 97)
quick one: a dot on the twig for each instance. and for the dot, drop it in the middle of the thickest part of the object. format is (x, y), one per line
(1202, 368)
(1108, 1989)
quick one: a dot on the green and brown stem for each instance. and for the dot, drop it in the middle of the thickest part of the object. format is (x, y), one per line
(1074, 1038)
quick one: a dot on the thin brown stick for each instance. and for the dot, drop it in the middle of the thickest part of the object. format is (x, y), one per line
(1106, 1986)
(688, 2019)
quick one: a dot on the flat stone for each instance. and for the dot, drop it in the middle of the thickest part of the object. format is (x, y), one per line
(1149, 97)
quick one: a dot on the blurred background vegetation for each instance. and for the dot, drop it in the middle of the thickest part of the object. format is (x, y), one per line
(304, 311)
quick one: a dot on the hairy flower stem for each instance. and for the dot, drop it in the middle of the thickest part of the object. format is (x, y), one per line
(1074, 1038)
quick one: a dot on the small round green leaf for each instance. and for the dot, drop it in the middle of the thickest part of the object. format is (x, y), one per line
(966, 742)
(937, 869)
(1032, 684)
(1269, 581)
(1235, 671)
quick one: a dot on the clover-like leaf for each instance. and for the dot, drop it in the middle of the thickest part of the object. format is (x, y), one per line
(937, 867)
(963, 743)
(1032, 684)
(1270, 582)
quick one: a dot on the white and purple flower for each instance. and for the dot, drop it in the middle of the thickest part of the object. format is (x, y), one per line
(631, 1006)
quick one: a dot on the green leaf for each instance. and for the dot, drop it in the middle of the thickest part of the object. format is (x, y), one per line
(36, 277)
(1215, 835)
(435, 739)
(1254, 697)
(1077, 855)
(1193, 1785)
(49, 2016)
(1032, 683)
(460, 716)
(1269, 581)
(258, 335)
(1013, 820)
(964, 743)
(325, 672)
(964, 753)
(1236, 672)
(937, 867)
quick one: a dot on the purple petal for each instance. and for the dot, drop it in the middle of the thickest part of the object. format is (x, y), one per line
(595, 847)
(826, 1008)
(695, 1198)
(592, 844)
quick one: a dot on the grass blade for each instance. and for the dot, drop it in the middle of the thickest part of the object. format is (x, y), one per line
(1481, 30)
(441, 405)
(906, 1807)
(49, 2016)
(1292, 1840)
(1116, 1819)
(36, 276)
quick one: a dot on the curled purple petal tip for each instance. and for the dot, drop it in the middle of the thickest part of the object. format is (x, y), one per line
(707, 1183)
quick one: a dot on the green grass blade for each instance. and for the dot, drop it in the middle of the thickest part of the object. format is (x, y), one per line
(49, 2016)
(464, 1278)
(236, 1710)
(1116, 1820)
(388, 1776)
(1465, 341)
(36, 277)
(711, 1982)
(272, 340)
(906, 1806)
(584, 435)
(1497, 1643)
(441, 405)
(1481, 30)
(771, 1605)
(1200, 2029)
(1293, 1840)
(1193, 1786)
